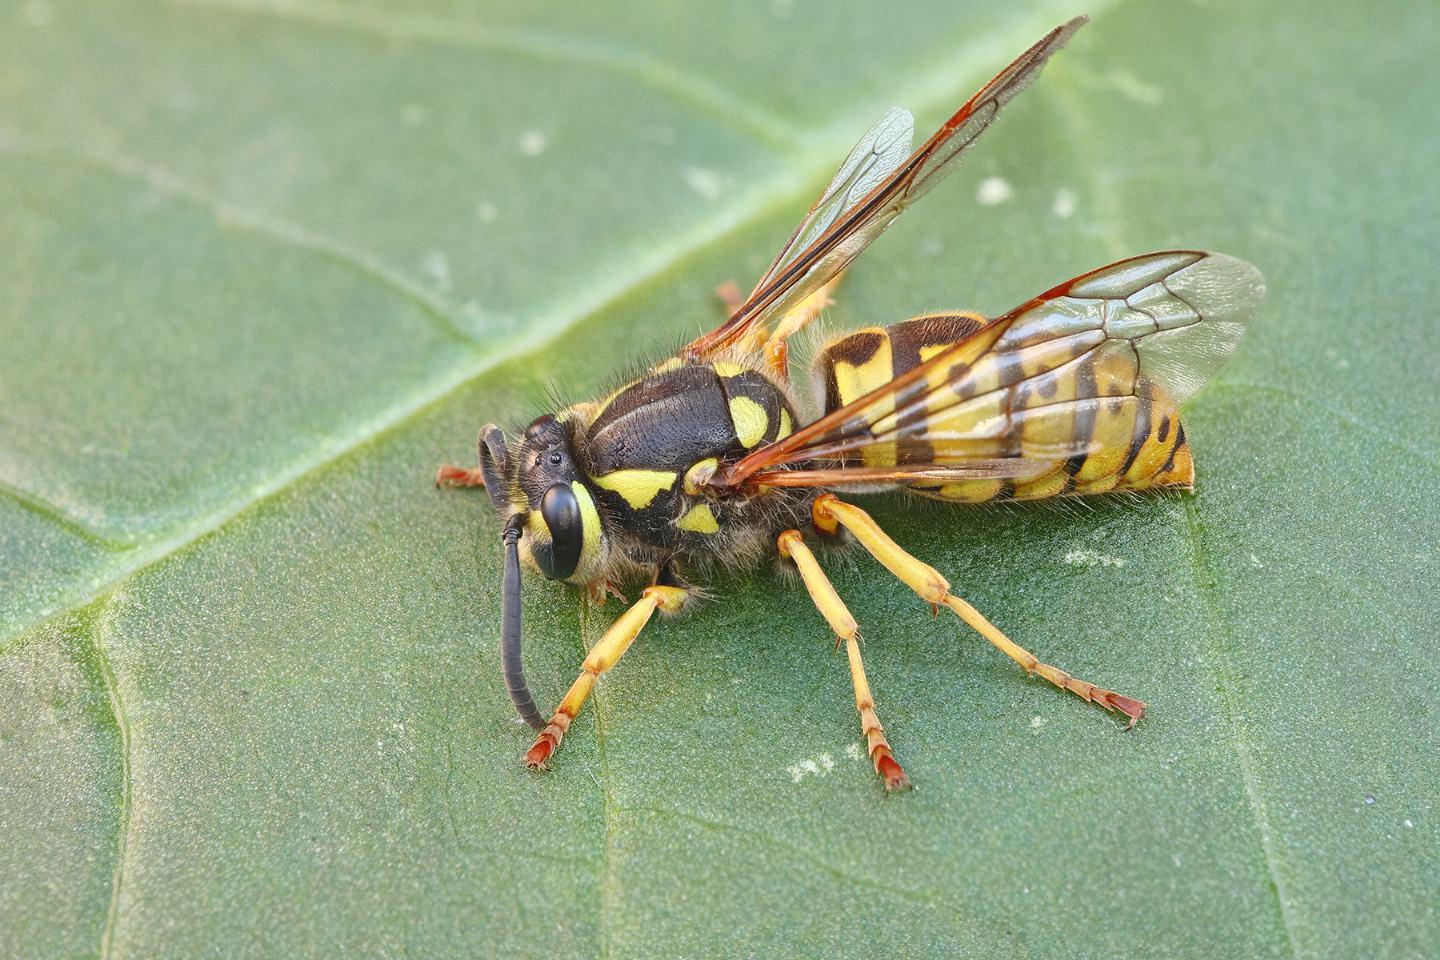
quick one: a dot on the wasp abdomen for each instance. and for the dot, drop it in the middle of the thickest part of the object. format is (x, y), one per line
(1131, 434)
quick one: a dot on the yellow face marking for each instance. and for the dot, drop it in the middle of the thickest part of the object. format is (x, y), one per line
(639, 488)
(749, 419)
(787, 426)
(590, 531)
(699, 519)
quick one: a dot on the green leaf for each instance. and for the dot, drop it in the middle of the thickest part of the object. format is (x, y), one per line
(268, 262)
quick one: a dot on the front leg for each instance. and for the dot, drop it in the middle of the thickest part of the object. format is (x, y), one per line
(668, 594)
(452, 476)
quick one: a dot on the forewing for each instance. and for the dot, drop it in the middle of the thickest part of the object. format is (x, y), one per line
(879, 154)
(848, 215)
(1043, 382)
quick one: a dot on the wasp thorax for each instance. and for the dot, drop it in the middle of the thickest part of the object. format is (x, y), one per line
(563, 538)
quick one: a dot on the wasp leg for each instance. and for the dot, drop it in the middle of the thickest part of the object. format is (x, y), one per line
(448, 476)
(829, 511)
(800, 316)
(728, 293)
(601, 658)
(832, 608)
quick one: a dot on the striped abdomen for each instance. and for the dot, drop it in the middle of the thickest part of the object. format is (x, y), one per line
(1128, 426)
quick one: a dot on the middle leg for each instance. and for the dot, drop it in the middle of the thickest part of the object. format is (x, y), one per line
(832, 608)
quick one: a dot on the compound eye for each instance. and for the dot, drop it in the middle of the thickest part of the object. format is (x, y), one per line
(561, 512)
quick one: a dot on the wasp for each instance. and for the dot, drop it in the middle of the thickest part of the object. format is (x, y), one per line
(711, 454)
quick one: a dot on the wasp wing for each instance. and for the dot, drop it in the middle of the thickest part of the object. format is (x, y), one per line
(1069, 374)
(870, 190)
(874, 158)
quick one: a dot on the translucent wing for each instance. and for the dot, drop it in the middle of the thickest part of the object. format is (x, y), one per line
(1073, 373)
(870, 190)
(878, 155)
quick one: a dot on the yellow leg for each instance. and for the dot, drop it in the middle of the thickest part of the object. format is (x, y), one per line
(832, 608)
(775, 348)
(830, 513)
(601, 658)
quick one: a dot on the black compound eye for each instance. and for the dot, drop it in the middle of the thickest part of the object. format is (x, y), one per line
(556, 458)
(562, 515)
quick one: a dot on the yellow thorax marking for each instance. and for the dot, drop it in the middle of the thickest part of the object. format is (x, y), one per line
(598, 407)
(699, 474)
(787, 426)
(724, 368)
(750, 420)
(927, 353)
(639, 488)
(699, 519)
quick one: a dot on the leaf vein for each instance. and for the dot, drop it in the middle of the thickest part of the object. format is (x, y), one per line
(229, 214)
(1206, 581)
(98, 632)
(687, 88)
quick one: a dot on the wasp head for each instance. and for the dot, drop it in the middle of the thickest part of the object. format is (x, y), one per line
(539, 484)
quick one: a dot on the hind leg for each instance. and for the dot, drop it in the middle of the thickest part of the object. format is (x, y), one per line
(830, 512)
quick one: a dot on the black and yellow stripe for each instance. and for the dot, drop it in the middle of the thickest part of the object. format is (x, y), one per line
(1046, 392)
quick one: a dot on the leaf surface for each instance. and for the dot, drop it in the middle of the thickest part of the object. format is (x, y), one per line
(267, 263)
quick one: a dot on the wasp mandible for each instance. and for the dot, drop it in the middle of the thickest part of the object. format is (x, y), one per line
(1074, 392)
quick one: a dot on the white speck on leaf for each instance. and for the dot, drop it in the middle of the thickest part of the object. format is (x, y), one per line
(702, 181)
(437, 267)
(853, 751)
(1255, 562)
(414, 114)
(486, 211)
(1066, 201)
(1037, 721)
(1092, 558)
(533, 142)
(993, 191)
(819, 766)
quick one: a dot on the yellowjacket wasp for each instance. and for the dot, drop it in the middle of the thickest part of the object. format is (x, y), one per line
(1073, 392)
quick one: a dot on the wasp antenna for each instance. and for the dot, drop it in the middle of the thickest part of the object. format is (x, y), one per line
(512, 665)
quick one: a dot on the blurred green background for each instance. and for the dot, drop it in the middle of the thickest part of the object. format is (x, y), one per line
(265, 263)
